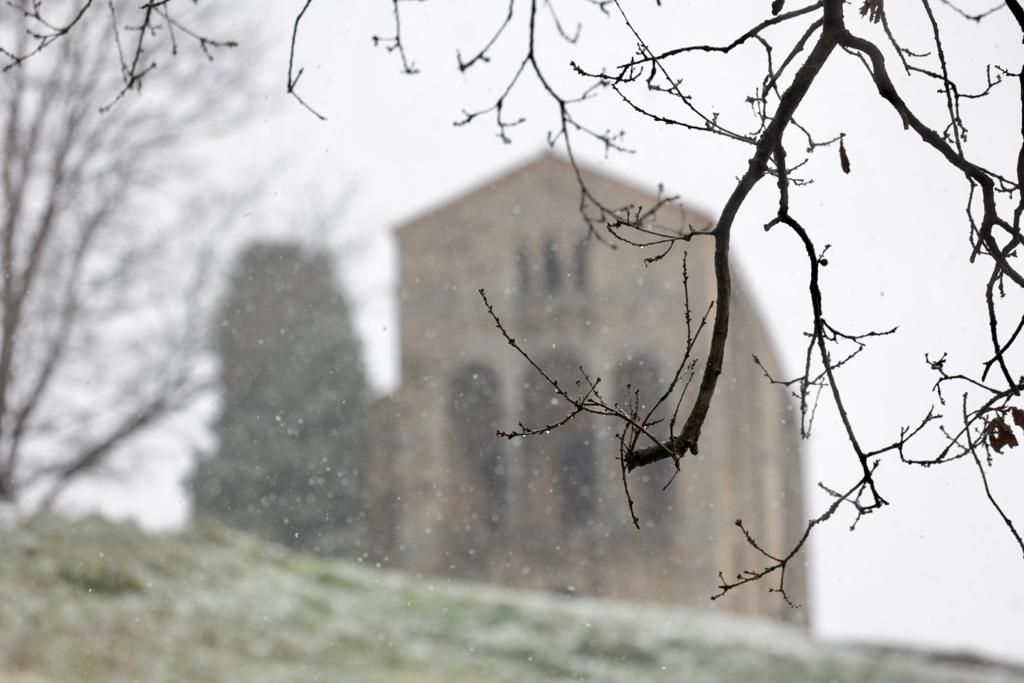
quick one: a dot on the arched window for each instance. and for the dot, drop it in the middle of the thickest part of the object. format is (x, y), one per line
(523, 270)
(577, 477)
(569, 449)
(475, 413)
(552, 266)
(638, 377)
(582, 272)
(639, 385)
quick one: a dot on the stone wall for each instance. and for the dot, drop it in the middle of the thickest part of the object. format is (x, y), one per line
(549, 512)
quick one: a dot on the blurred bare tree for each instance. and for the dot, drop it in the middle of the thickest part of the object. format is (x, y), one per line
(103, 260)
(138, 32)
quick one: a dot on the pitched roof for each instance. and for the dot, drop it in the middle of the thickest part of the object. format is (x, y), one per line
(544, 160)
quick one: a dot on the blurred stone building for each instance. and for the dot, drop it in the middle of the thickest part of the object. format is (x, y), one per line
(549, 511)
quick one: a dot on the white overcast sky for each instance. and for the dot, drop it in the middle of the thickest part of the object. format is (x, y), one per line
(935, 567)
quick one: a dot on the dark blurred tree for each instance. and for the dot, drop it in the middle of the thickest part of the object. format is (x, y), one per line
(293, 421)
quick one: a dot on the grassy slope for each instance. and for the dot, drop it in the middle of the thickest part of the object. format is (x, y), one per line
(98, 602)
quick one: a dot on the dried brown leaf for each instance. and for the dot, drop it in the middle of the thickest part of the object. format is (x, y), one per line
(1000, 435)
(873, 10)
(844, 161)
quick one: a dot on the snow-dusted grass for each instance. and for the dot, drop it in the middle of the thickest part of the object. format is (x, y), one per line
(92, 601)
